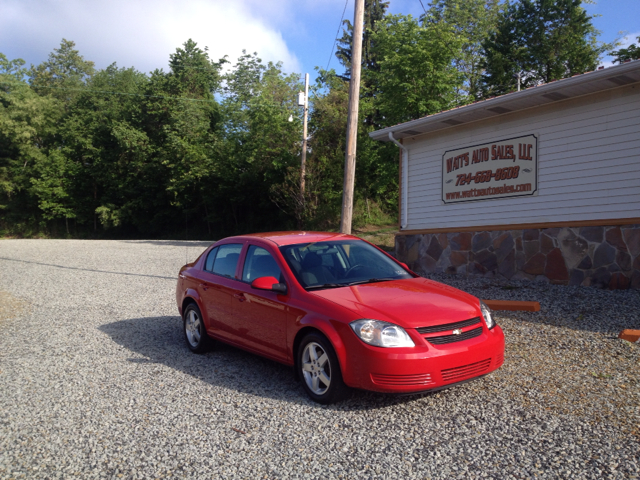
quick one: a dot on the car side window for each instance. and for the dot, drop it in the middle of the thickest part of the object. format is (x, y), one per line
(226, 260)
(208, 265)
(260, 263)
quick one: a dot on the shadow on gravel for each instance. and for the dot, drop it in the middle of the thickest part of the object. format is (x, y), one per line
(159, 340)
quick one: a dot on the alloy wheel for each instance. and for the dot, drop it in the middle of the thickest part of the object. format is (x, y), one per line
(316, 368)
(192, 328)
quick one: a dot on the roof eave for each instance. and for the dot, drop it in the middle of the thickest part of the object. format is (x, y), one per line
(509, 99)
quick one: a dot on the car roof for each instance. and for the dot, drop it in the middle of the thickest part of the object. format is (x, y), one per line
(292, 238)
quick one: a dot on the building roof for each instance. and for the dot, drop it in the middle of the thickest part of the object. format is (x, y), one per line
(557, 91)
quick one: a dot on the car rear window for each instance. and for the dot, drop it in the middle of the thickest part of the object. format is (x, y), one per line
(210, 258)
(226, 260)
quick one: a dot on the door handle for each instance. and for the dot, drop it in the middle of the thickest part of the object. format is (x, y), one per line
(204, 286)
(240, 297)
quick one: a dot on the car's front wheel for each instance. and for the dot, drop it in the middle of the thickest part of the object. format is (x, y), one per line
(194, 330)
(319, 370)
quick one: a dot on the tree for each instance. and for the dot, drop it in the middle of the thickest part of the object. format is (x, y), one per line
(259, 144)
(320, 206)
(143, 154)
(102, 136)
(374, 12)
(624, 54)
(13, 68)
(408, 73)
(27, 128)
(416, 76)
(53, 186)
(195, 74)
(539, 41)
(184, 125)
(63, 75)
(472, 21)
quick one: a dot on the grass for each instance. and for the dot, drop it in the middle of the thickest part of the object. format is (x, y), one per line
(381, 235)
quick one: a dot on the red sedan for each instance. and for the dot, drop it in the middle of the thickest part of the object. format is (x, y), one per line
(339, 310)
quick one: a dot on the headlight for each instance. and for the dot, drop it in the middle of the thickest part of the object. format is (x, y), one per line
(381, 334)
(486, 313)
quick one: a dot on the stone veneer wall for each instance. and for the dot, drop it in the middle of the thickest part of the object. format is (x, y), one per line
(606, 257)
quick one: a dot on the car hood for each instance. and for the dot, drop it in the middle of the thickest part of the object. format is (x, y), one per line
(410, 303)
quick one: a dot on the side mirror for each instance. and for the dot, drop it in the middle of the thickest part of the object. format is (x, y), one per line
(280, 288)
(405, 266)
(269, 283)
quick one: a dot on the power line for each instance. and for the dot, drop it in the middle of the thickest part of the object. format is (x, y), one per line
(425, 10)
(337, 33)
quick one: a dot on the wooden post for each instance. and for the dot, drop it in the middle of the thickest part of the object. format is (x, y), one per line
(352, 119)
(303, 167)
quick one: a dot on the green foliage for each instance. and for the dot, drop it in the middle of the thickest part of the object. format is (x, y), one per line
(258, 144)
(408, 72)
(109, 215)
(27, 128)
(319, 207)
(194, 73)
(52, 186)
(369, 212)
(101, 135)
(542, 41)
(63, 75)
(472, 21)
(12, 68)
(374, 12)
(416, 76)
(632, 52)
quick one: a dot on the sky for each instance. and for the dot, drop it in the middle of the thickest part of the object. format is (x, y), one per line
(143, 33)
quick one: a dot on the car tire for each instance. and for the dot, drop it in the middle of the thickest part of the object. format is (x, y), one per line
(319, 370)
(195, 333)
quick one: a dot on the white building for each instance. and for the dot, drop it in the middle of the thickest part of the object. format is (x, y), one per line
(542, 183)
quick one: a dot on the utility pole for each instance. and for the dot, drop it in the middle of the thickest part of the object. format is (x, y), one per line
(352, 119)
(303, 167)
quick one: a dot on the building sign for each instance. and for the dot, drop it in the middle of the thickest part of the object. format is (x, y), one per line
(506, 168)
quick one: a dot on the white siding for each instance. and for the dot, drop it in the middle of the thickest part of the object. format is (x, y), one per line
(588, 165)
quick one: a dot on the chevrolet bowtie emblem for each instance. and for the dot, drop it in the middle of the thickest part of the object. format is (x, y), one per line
(457, 331)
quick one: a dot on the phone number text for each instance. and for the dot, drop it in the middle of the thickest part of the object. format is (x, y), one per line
(488, 175)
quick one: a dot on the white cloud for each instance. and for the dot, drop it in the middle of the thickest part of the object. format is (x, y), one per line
(139, 33)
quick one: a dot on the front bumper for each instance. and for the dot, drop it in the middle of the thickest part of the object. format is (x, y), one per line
(423, 367)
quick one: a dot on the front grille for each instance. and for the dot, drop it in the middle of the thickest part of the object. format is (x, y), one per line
(471, 370)
(449, 326)
(441, 340)
(399, 380)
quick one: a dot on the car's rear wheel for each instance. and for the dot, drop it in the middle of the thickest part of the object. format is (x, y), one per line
(194, 330)
(319, 370)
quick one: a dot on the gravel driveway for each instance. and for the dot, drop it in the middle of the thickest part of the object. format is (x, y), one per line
(96, 381)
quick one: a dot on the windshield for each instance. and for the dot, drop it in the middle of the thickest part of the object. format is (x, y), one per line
(340, 263)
